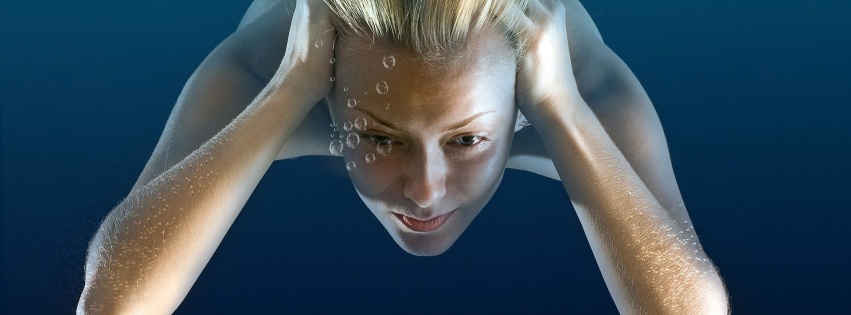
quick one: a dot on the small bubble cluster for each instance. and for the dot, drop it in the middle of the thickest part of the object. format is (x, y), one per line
(360, 123)
(336, 148)
(352, 140)
(389, 62)
(384, 149)
(382, 87)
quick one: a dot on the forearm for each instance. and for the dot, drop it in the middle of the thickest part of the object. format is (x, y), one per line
(152, 247)
(651, 263)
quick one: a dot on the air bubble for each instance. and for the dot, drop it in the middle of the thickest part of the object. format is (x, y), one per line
(318, 44)
(352, 140)
(525, 123)
(346, 89)
(333, 60)
(387, 107)
(352, 103)
(384, 149)
(350, 166)
(336, 148)
(360, 123)
(332, 79)
(369, 158)
(347, 126)
(382, 87)
(389, 62)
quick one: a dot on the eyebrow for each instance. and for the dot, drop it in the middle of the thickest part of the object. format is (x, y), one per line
(378, 120)
(450, 128)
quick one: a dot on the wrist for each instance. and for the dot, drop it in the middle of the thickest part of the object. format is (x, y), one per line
(557, 108)
(295, 89)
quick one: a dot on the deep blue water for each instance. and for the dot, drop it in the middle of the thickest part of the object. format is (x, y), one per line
(754, 98)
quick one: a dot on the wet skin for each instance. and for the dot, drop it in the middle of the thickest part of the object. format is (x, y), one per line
(440, 134)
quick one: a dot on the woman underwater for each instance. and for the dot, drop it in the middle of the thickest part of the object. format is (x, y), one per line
(426, 97)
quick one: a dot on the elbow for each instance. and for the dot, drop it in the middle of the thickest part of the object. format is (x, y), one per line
(712, 298)
(89, 304)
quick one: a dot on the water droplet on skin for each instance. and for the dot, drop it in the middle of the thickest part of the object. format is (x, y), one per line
(382, 87)
(333, 60)
(318, 44)
(336, 148)
(346, 89)
(352, 103)
(347, 126)
(360, 123)
(384, 149)
(389, 62)
(369, 158)
(350, 166)
(352, 140)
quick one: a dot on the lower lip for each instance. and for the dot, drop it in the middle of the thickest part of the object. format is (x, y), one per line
(424, 226)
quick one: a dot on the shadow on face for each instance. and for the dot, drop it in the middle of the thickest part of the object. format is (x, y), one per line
(425, 141)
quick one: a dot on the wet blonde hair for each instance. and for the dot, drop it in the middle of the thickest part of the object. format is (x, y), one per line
(428, 28)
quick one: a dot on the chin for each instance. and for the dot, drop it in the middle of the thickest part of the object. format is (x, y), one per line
(425, 245)
(429, 243)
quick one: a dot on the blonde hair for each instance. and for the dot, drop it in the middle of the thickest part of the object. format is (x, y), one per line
(429, 28)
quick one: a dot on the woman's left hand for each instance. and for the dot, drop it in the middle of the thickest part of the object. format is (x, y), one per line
(545, 75)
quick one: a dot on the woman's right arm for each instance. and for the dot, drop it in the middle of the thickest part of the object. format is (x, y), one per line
(152, 247)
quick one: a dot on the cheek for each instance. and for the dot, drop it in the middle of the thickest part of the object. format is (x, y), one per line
(477, 176)
(372, 173)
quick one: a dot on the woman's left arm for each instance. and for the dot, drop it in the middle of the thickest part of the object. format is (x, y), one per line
(618, 173)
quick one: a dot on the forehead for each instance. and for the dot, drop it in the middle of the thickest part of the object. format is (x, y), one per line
(478, 76)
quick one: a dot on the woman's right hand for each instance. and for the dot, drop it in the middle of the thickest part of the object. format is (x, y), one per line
(307, 65)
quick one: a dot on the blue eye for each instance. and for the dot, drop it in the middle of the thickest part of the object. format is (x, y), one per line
(469, 140)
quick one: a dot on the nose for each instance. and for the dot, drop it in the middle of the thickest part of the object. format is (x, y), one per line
(425, 182)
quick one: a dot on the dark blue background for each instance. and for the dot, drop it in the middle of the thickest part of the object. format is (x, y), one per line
(753, 95)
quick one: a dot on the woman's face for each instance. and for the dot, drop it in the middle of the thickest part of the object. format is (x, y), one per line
(425, 144)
